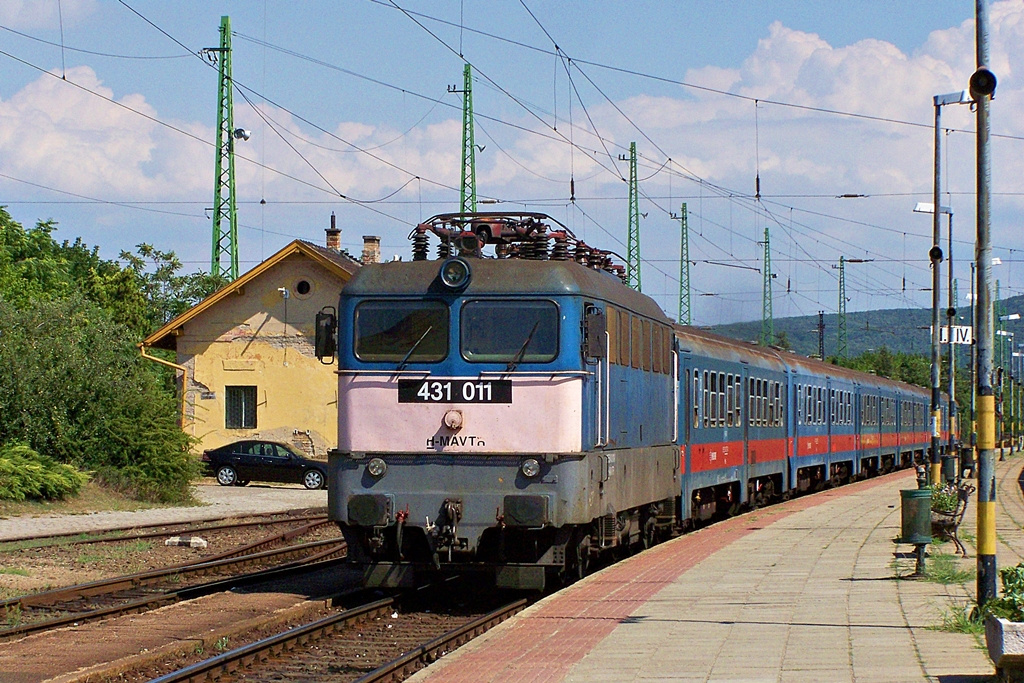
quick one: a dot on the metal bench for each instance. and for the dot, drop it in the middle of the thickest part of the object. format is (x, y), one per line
(945, 525)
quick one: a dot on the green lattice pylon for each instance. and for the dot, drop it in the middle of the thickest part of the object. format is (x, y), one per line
(633, 242)
(468, 196)
(841, 323)
(684, 269)
(225, 216)
(767, 321)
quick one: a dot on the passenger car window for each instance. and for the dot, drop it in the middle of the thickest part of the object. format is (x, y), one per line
(507, 331)
(390, 330)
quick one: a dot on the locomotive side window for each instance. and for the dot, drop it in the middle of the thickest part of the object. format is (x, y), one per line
(728, 401)
(638, 342)
(656, 332)
(624, 339)
(696, 399)
(704, 399)
(509, 331)
(613, 334)
(721, 399)
(713, 417)
(397, 331)
(738, 397)
(645, 351)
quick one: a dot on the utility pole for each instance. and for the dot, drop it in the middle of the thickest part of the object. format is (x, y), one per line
(468, 196)
(767, 321)
(633, 244)
(841, 325)
(684, 269)
(821, 335)
(225, 217)
(954, 411)
(983, 86)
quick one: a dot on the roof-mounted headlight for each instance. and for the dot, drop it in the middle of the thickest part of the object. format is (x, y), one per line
(455, 273)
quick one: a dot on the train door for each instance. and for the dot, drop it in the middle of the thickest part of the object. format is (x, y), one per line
(688, 419)
(796, 412)
(599, 343)
(743, 412)
(830, 413)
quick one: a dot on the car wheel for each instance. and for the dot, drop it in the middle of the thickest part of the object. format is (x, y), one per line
(226, 476)
(313, 479)
(242, 482)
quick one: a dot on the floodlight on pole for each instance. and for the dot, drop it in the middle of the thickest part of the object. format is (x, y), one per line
(935, 255)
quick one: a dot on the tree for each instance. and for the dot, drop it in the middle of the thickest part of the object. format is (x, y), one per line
(74, 388)
(168, 293)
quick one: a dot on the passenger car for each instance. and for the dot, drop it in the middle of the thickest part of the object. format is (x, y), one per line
(238, 463)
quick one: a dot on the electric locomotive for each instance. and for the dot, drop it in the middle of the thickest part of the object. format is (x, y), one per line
(521, 413)
(483, 423)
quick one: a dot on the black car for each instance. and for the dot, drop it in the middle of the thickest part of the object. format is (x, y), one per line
(236, 464)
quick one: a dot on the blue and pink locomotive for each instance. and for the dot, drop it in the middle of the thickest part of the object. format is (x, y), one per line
(524, 412)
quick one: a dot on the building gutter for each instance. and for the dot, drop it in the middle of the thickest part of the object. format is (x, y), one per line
(184, 379)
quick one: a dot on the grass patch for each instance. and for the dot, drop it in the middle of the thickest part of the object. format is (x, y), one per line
(92, 498)
(115, 552)
(961, 618)
(946, 569)
(16, 571)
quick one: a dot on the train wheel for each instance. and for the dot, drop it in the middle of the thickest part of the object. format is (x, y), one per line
(649, 536)
(582, 559)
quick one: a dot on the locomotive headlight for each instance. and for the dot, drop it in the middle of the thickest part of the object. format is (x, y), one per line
(377, 467)
(455, 273)
(530, 468)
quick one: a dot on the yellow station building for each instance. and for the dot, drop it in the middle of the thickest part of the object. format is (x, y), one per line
(245, 354)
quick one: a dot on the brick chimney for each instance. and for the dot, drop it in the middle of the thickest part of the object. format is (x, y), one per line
(333, 235)
(371, 249)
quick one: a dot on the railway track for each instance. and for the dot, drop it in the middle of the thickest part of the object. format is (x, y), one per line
(158, 530)
(383, 640)
(147, 590)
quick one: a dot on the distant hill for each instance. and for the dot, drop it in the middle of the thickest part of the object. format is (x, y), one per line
(901, 329)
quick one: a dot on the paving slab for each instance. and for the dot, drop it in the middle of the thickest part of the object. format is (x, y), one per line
(813, 589)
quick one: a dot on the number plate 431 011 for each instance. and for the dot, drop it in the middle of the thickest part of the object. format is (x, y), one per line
(454, 391)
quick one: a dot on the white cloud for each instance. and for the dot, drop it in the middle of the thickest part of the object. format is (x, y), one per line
(33, 14)
(57, 134)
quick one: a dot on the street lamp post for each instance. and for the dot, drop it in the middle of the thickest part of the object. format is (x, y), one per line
(935, 255)
(1001, 372)
(983, 87)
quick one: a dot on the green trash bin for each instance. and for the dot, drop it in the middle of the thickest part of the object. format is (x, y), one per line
(949, 465)
(916, 516)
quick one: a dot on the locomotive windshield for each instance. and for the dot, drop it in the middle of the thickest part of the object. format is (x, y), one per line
(510, 331)
(401, 331)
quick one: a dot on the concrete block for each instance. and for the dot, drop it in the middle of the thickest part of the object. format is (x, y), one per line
(1005, 640)
(187, 541)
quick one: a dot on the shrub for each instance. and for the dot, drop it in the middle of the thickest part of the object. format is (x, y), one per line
(1011, 605)
(73, 387)
(944, 498)
(26, 475)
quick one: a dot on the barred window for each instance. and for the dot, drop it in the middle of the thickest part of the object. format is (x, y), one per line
(240, 407)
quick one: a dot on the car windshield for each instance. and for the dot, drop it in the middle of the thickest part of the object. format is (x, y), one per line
(401, 331)
(510, 331)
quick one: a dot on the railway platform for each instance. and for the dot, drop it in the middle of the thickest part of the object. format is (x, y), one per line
(806, 591)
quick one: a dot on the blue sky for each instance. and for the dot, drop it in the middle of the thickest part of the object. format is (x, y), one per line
(332, 78)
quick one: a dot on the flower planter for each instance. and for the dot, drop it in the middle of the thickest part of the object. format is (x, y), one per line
(1005, 640)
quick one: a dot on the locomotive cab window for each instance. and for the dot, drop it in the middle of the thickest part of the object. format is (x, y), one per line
(510, 331)
(397, 331)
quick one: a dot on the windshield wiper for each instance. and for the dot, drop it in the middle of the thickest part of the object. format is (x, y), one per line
(405, 361)
(518, 358)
